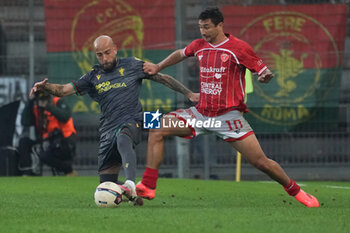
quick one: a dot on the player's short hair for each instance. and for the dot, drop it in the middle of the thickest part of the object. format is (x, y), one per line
(212, 13)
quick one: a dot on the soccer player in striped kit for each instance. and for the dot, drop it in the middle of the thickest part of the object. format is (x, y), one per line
(223, 60)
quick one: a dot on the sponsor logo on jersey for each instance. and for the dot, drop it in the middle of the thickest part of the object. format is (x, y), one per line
(217, 76)
(212, 69)
(211, 88)
(106, 86)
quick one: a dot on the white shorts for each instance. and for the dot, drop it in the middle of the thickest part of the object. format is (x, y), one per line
(230, 126)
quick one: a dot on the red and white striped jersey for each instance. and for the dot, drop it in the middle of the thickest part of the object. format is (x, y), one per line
(222, 70)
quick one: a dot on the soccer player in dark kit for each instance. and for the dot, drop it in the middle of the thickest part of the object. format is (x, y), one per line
(115, 84)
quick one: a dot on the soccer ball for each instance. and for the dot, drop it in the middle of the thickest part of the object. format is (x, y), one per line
(108, 194)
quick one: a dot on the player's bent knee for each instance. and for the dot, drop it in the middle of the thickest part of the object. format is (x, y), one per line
(155, 135)
(111, 170)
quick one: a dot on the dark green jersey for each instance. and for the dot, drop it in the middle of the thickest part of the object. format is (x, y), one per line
(117, 92)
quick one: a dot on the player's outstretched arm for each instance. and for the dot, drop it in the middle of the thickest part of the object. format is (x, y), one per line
(59, 90)
(172, 83)
(173, 58)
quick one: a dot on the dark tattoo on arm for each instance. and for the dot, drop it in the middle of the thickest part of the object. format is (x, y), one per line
(54, 89)
(170, 82)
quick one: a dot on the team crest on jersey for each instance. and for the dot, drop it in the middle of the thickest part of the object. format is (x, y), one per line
(200, 57)
(98, 76)
(224, 57)
(121, 71)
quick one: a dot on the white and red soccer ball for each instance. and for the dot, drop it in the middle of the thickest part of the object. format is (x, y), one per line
(108, 194)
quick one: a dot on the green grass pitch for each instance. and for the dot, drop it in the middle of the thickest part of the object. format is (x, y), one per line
(65, 204)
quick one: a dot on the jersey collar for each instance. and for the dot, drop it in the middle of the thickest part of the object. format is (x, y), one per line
(221, 43)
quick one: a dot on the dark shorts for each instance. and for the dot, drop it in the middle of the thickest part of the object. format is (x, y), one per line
(108, 154)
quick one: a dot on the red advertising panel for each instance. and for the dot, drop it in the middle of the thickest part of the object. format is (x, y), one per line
(303, 46)
(313, 34)
(73, 25)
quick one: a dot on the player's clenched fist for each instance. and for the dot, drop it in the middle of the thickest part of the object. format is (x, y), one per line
(150, 68)
(37, 86)
(265, 76)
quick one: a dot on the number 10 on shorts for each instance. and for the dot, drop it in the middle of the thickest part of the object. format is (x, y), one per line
(236, 123)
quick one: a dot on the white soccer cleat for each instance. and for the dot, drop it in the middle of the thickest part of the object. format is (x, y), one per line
(129, 190)
(131, 186)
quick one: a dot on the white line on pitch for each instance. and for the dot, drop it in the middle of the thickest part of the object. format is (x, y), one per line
(336, 187)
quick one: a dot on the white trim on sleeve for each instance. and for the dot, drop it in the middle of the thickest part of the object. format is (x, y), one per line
(262, 70)
(183, 51)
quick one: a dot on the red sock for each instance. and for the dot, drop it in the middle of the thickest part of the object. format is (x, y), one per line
(293, 188)
(150, 177)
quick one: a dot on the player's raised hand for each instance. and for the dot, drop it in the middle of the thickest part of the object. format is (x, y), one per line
(193, 97)
(150, 68)
(37, 86)
(265, 76)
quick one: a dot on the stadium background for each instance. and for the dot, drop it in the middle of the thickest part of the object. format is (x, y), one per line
(301, 118)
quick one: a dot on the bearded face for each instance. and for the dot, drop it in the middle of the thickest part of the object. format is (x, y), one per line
(109, 66)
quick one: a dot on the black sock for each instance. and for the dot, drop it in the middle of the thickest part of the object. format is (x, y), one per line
(110, 177)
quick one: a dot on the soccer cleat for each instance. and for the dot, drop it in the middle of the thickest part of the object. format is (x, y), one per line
(129, 192)
(307, 199)
(145, 192)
